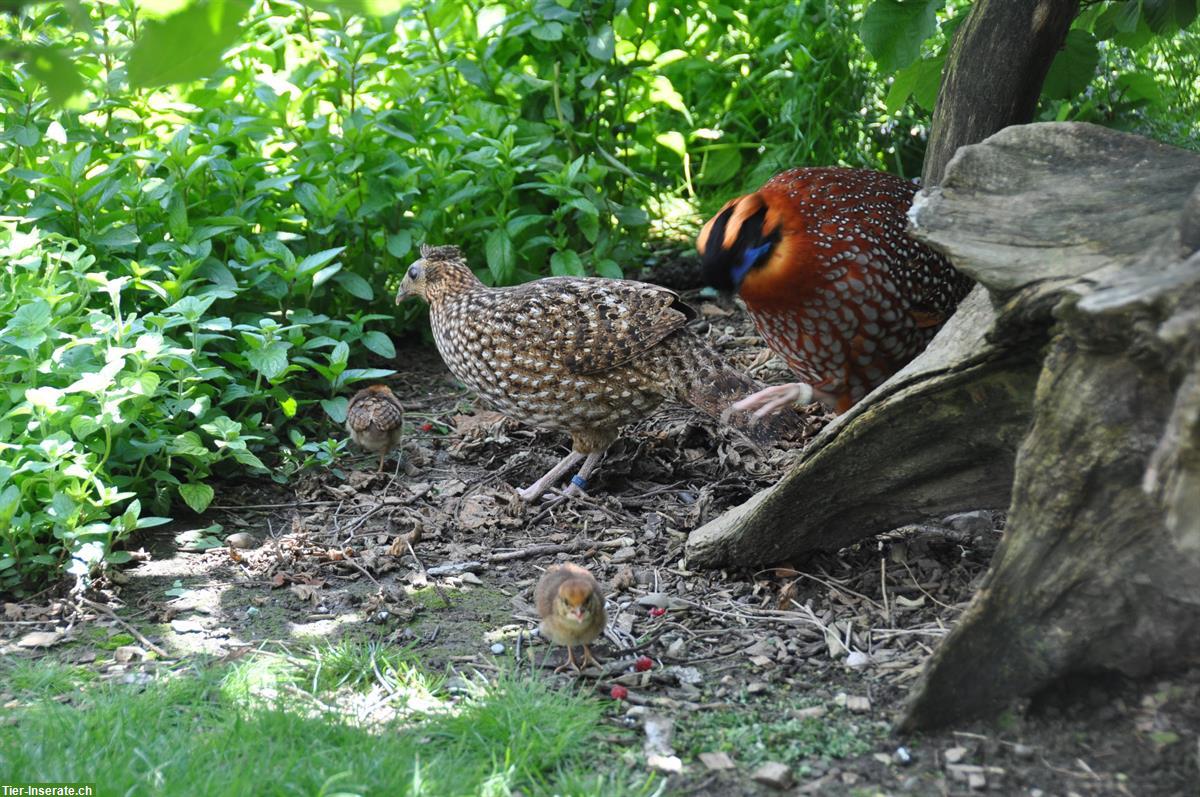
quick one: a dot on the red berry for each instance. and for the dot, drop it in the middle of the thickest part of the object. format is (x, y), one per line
(618, 692)
(657, 612)
(643, 663)
(427, 427)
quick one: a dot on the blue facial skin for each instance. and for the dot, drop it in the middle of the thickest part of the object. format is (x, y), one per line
(749, 258)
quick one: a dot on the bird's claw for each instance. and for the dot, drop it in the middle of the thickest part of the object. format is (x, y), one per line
(773, 399)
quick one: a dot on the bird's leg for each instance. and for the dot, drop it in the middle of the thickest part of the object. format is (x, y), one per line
(578, 484)
(382, 456)
(535, 490)
(570, 661)
(773, 399)
(588, 658)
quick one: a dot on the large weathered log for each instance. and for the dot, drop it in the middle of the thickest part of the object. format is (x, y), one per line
(1100, 565)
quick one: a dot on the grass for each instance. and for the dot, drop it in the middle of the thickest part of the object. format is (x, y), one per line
(252, 728)
(762, 731)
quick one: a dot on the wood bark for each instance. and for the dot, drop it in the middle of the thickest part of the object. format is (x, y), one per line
(994, 73)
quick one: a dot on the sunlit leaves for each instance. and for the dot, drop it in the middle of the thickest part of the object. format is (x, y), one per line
(54, 68)
(187, 45)
(893, 30)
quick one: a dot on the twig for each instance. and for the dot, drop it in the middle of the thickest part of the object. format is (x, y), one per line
(567, 547)
(138, 635)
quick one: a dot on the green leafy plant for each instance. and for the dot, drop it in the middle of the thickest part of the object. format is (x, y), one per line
(1123, 62)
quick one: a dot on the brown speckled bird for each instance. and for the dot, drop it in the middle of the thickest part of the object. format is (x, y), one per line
(583, 356)
(375, 420)
(835, 284)
(571, 606)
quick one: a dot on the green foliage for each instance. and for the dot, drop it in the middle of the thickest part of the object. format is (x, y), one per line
(1129, 64)
(199, 274)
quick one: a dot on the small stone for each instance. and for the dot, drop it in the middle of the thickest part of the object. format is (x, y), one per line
(775, 775)
(812, 712)
(858, 704)
(241, 539)
(849, 778)
(498, 648)
(677, 649)
(954, 754)
(717, 761)
(902, 756)
(757, 687)
(671, 764)
(976, 780)
(187, 626)
(976, 522)
(470, 578)
(1022, 751)
(128, 653)
(251, 611)
(857, 660)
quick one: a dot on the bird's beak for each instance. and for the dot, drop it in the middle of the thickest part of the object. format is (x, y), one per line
(406, 286)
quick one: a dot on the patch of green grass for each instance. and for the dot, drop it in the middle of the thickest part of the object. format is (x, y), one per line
(41, 679)
(205, 732)
(115, 641)
(761, 732)
(359, 664)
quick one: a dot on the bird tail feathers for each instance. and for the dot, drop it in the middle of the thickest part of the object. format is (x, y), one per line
(712, 386)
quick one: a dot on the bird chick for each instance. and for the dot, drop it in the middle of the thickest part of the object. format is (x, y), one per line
(833, 281)
(582, 356)
(375, 420)
(571, 606)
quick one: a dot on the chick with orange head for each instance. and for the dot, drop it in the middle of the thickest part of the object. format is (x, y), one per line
(571, 605)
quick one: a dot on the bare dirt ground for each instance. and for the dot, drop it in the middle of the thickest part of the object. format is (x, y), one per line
(806, 663)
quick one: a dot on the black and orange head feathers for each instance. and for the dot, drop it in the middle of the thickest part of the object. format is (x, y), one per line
(739, 238)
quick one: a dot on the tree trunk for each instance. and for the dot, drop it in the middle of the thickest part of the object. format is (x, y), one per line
(994, 74)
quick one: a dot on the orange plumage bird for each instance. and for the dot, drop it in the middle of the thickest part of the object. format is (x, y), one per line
(835, 284)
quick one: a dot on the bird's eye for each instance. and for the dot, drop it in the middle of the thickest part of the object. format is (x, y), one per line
(416, 271)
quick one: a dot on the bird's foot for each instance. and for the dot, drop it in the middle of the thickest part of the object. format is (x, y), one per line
(570, 663)
(588, 658)
(773, 399)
